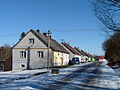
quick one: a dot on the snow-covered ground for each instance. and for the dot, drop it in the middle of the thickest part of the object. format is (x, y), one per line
(106, 78)
(13, 75)
(117, 71)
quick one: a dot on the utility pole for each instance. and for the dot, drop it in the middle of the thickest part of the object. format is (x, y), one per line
(28, 58)
(48, 59)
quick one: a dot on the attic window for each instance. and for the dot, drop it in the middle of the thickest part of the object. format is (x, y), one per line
(31, 40)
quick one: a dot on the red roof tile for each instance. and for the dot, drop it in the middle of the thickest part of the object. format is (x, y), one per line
(70, 48)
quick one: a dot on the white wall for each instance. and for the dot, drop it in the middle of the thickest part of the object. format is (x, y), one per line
(66, 58)
(71, 55)
(60, 58)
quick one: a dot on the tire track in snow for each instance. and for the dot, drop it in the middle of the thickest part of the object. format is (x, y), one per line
(65, 81)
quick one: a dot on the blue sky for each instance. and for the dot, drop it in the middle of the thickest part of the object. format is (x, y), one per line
(71, 20)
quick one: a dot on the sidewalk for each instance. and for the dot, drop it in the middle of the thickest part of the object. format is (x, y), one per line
(9, 76)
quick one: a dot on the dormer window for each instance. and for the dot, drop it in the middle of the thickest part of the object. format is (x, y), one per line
(31, 41)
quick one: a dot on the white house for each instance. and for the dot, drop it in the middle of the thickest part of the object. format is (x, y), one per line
(72, 52)
(32, 52)
(83, 56)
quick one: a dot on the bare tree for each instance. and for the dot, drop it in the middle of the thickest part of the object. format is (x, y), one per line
(5, 52)
(108, 12)
(112, 48)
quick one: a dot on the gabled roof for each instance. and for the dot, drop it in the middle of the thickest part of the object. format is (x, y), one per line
(85, 54)
(78, 50)
(70, 48)
(54, 45)
(101, 57)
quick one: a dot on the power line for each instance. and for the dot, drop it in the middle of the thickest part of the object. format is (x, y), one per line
(76, 30)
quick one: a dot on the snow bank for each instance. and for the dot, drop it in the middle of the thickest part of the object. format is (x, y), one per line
(108, 77)
(117, 71)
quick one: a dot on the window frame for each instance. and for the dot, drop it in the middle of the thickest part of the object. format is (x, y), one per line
(23, 54)
(40, 54)
(31, 41)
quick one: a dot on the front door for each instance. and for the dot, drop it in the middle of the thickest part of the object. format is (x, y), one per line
(1, 66)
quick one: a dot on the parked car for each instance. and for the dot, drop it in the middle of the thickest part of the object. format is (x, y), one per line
(75, 60)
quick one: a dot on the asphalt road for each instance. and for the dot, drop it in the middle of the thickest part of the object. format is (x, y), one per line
(88, 76)
(85, 77)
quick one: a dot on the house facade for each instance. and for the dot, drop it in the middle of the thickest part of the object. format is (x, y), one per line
(83, 56)
(32, 52)
(6, 65)
(72, 52)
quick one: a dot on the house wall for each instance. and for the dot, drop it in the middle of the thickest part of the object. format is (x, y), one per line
(71, 55)
(65, 59)
(6, 65)
(78, 57)
(35, 61)
(84, 59)
(60, 58)
(23, 45)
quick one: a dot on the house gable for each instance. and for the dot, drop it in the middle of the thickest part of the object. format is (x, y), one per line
(25, 42)
(70, 48)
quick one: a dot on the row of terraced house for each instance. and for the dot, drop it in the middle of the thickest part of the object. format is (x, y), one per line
(32, 52)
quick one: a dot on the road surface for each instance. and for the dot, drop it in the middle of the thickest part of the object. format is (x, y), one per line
(88, 76)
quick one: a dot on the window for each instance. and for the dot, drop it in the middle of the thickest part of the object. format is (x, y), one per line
(22, 54)
(31, 41)
(58, 53)
(40, 54)
(22, 65)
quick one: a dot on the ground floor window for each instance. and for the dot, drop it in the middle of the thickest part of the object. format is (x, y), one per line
(22, 65)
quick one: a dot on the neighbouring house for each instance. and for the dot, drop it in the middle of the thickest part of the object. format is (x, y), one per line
(5, 58)
(100, 58)
(6, 65)
(72, 52)
(83, 55)
(32, 52)
(86, 57)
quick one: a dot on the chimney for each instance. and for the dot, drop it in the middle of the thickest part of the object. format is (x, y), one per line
(38, 30)
(45, 34)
